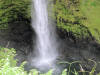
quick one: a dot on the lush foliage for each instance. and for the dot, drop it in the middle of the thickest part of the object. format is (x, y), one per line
(8, 66)
(13, 10)
(8, 63)
(90, 9)
(69, 17)
(81, 17)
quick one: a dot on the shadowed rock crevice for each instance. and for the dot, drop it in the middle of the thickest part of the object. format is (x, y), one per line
(19, 35)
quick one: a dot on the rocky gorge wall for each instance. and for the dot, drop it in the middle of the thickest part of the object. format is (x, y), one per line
(20, 37)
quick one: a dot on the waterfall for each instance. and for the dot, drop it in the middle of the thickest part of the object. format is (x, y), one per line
(46, 46)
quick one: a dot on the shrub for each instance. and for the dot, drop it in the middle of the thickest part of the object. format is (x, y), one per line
(8, 65)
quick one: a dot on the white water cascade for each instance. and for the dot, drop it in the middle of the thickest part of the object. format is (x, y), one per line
(46, 45)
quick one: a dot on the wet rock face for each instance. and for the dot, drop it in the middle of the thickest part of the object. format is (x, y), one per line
(74, 49)
(19, 35)
(20, 32)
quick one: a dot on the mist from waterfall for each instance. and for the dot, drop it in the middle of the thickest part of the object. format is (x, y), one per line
(46, 46)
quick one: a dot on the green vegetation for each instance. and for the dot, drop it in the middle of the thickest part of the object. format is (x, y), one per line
(12, 11)
(69, 17)
(91, 9)
(8, 63)
(81, 17)
(8, 66)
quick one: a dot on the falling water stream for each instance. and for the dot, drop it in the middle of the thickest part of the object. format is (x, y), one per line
(46, 47)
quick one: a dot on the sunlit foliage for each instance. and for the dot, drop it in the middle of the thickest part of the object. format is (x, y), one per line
(81, 17)
(91, 9)
(69, 17)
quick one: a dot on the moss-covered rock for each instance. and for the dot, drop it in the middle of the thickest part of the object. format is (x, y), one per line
(69, 17)
(81, 17)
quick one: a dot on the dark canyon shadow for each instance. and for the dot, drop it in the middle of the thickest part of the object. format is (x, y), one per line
(19, 36)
